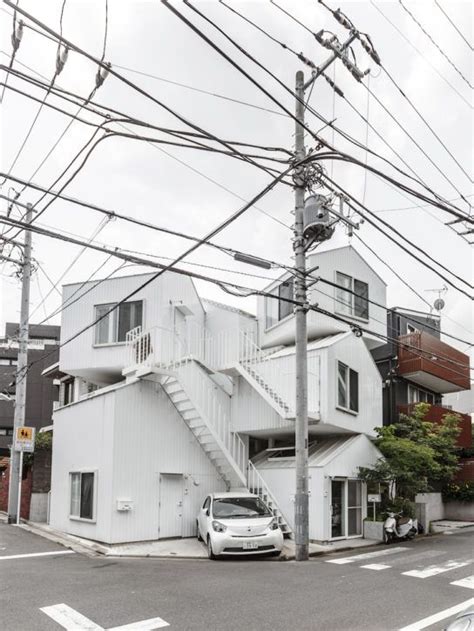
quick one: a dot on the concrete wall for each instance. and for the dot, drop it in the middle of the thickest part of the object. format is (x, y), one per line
(429, 507)
(462, 511)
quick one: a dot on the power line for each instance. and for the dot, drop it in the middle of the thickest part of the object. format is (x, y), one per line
(421, 54)
(435, 44)
(258, 85)
(120, 253)
(452, 24)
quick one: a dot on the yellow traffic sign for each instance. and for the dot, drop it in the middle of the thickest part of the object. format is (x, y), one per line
(25, 439)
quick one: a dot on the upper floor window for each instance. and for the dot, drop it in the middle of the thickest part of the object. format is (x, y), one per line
(352, 296)
(116, 324)
(277, 310)
(347, 388)
(412, 329)
(415, 395)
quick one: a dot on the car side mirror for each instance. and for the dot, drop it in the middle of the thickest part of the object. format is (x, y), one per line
(207, 512)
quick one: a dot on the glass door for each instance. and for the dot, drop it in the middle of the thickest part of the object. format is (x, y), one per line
(354, 508)
(338, 509)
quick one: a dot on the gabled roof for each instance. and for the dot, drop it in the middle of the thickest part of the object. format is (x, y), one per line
(221, 305)
(348, 247)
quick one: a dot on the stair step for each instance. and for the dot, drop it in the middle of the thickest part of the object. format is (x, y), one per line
(196, 423)
(178, 395)
(184, 405)
(172, 386)
(190, 415)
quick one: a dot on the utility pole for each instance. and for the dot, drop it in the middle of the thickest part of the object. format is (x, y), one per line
(16, 458)
(304, 236)
(301, 410)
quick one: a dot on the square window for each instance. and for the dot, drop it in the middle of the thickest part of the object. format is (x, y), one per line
(352, 296)
(113, 326)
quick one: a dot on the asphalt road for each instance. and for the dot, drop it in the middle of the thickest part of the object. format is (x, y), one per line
(333, 592)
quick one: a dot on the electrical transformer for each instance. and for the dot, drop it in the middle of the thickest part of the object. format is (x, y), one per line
(316, 218)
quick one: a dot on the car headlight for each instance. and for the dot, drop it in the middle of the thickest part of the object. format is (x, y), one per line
(274, 525)
(218, 527)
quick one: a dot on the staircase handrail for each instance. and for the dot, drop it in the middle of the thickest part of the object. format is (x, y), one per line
(202, 395)
(255, 476)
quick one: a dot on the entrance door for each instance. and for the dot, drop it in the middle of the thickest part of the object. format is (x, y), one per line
(171, 505)
(346, 508)
(338, 509)
(354, 508)
(180, 337)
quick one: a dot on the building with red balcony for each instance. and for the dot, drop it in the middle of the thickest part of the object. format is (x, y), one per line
(416, 366)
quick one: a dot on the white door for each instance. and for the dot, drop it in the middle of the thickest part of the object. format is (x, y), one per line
(346, 508)
(171, 505)
(180, 337)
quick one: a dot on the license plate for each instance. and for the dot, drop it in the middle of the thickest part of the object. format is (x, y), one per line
(250, 545)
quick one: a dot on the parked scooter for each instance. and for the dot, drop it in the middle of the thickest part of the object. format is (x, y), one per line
(397, 527)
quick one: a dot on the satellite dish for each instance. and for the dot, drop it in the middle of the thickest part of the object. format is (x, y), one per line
(439, 304)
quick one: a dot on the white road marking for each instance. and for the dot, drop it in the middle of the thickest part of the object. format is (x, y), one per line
(437, 617)
(143, 625)
(368, 555)
(465, 582)
(72, 620)
(376, 566)
(35, 554)
(432, 570)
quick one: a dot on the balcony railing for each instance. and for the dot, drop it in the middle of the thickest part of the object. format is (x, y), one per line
(431, 363)
(436, 413)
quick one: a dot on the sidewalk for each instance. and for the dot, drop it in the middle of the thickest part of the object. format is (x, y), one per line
(189, 548)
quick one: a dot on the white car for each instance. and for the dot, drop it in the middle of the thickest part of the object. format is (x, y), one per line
(238, 523)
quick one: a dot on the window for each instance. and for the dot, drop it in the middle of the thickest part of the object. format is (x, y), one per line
(347, 388)
(68, 391)
(412, 329)
(276, 310)
(3, 431)
(415, 395)
(352, 296)
(82, 495)
(7, 361)
(114, 326)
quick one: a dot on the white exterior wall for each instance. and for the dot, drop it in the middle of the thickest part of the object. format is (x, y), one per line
(345, 260)
(129, 435)
(223, 328)
(251, 413)
(83, 441)
(104, 363)
(352, 351)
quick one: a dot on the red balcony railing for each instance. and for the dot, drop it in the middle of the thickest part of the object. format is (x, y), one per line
(436, 413)
(431, 363)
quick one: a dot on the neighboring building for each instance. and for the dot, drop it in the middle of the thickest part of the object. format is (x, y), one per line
(169, 398)
(40, 393)
(411, 376)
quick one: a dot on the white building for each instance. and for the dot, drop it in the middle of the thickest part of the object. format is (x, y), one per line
(169, 398)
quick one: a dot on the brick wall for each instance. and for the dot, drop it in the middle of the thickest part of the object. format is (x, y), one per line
(25, 491)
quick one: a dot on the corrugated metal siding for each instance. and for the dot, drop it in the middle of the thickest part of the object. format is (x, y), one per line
(83, 440)
(151, 438)
(250, 412)
(80, 355)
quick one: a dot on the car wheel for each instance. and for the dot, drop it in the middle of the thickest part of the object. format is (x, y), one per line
(275, 553)
(199, 538)
(210, 553)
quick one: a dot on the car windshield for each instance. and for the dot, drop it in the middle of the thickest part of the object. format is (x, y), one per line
(240, 507)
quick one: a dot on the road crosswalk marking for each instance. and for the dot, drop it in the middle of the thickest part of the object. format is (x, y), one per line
(35, 554)
(368, 555)
(433, 570)
(437, 617)
(376, 566)
(72, 620)
(465, 582)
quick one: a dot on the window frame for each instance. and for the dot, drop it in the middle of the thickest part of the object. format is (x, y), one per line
(348, 379)
(114, 322)
(81, 472)
(339, 303)
(267, 301)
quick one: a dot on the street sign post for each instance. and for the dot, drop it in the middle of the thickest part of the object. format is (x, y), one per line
(25, 439)
(24, 442)
(375, 498)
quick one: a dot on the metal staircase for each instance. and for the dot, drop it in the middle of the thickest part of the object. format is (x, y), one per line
(205, 409)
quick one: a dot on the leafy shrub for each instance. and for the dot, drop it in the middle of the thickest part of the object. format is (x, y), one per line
(401, 505)
(459, 491)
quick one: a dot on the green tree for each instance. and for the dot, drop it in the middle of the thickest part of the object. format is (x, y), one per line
(418, 456)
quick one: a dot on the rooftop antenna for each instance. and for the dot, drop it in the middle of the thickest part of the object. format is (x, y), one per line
(439, 303)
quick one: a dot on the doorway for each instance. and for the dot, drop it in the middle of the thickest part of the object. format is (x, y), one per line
(346, 508)
(171, 505)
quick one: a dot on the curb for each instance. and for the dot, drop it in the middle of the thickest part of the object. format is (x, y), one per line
(66, 541)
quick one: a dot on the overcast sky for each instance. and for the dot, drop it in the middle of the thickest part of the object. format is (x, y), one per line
(143, 181)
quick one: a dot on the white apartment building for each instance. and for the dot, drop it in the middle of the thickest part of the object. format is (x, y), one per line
(171, 397)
